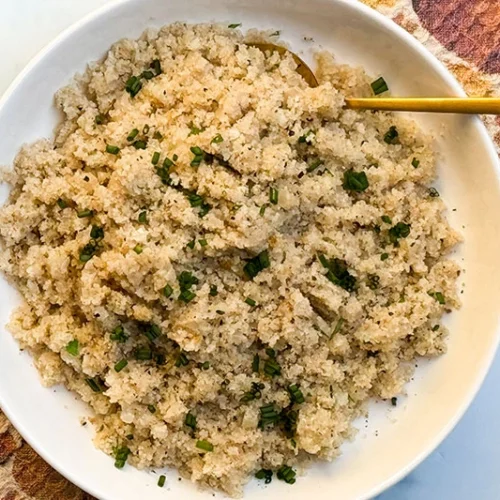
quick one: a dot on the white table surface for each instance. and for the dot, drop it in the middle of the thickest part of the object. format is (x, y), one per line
(467, 464)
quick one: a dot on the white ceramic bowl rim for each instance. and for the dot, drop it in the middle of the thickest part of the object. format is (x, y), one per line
(440, 69)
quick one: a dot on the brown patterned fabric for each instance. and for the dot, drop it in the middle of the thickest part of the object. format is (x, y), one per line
(464, 34)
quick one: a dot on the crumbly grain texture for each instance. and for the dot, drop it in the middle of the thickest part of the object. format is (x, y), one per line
(341, 338)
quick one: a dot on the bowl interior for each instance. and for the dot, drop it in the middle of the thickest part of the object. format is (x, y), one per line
(394, 439)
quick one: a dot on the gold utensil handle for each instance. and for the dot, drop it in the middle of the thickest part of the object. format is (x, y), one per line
(467, 105)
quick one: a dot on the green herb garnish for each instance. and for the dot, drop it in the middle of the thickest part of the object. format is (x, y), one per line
(296, 394)
(140, 144)
(62, 204)
(379, 86)
(217, 139)
(272, 368)
(286, 474)
(73, 347)
(415, 163)
(96, 384)
(386, 219)
(438, 296)
(112, 150)
(133, 85)
(235, 25)
(190, 421)
(161, 481)
(82, 214)
(273, 195)
(400, 230)
(392, 135)
(118, 335)
(138, 249)
(254, 393)
(257, 264)
(143, 353)
(121, 365)
(256, 363)
(355, 181)
(433, 192)
(133, 134)
(265, 474)
(384, 256)
(250, 302)
(121, 454)
(268, 416)
(213, 290)
(204, 445)
(168, 291)
(155, 158)
(338, 273)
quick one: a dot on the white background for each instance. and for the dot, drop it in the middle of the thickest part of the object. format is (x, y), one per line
(467, 464)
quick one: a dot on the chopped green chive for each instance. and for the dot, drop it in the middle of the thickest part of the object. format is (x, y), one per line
(233, 26)
(314, 165)
(100, 119)
(213, 290)
(138, 249)
(217, 139)
(88, 251)
(254, 393)
(121, 455)
(394, 401)
(168, 291)
(133, 85)
(272, 368)
(158, 135)
(386, 219)
(205, 365)
(161, 481)
(296, 394)
(435, 328)
(155, 158)
(268, 416)
(182, 360)
(250, 302)
(97, 233)
(438, 296)
(143, 217)
(62, 204)
(204, 445)
(355, 181)
(133, 134)
(194, 130)
(415, 163)
(143, 353)
(218, 311)
(118, 335)
(286, 474)
(198, 156)
(130, 437)
(257, 264)
(112, 150)
(392, 135)
(190, 421)
(276, 33)
(384, 256)
(191, 244)
(121, 365)
(338, 273)
(256, 363)
(151, 331)
(306, 138)
(203, 243)
(400, 230)
(73, 347)
(85, 213)
(96, 384)
(433, 192)
(262, 210)
(379, 86)
(152, 408)
(145, 129)
(373, 281)
(265, 474)
(140, 144)
(273, 195)
(338, 327)
(148, 75)
(156, 67)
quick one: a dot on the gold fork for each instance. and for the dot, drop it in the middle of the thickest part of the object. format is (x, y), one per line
(464, 105)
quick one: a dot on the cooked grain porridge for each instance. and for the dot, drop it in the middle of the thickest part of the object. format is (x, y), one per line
(223, 262)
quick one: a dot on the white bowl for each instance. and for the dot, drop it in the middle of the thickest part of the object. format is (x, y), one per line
(395, 440)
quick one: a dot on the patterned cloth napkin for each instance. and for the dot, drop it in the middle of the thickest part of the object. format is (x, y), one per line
(464, 34)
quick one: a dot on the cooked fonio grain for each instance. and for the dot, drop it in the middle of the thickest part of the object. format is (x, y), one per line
(223, 262)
